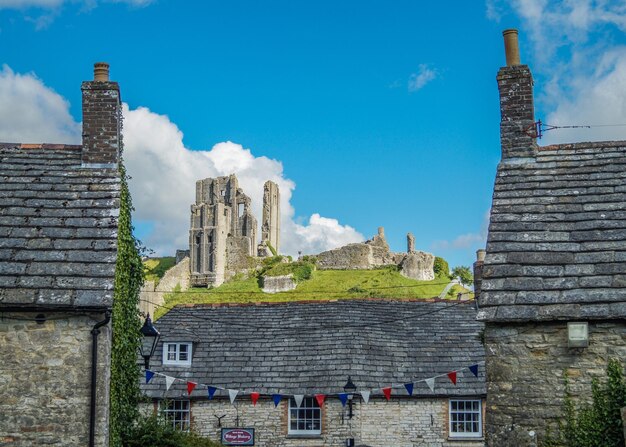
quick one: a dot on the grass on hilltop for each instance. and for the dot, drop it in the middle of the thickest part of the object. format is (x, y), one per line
(323, 285)
(155, 268)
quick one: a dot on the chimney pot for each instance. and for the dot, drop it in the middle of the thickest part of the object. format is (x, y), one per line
(101, 72)
(511, 47)
(480, 255)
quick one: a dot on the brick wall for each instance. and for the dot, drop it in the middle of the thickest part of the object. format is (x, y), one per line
(397, 423)
(525, 365)
(102, 115)
(45, 381)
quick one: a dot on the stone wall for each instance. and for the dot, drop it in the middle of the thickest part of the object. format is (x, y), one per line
(525, 365)
(45, 380)
(418, 265)
(397, 423)
(275, 284)
(152, 295)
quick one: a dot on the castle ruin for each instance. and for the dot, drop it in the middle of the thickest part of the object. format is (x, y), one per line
(223, 230)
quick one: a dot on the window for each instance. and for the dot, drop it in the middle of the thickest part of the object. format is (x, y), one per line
(306, 420)
(176, 412)
(177, 354)
(466, 419)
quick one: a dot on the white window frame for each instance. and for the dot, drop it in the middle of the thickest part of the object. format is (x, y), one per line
(177, 353)
(465, 417)
(177, 412)
(308, 404)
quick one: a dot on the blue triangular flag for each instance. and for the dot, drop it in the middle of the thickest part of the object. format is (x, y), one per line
(149, 375)
(474, 370)
(276, 398)
(409, 388)
(212, 391)
(343, 397)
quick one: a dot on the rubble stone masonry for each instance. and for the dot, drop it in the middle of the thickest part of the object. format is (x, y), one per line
(45, 377)
(398, 423)
(525, 366)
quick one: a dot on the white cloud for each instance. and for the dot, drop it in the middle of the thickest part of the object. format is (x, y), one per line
(573, 43)
(163, 170)
(424, 75)
(31, 112)
(164, 173)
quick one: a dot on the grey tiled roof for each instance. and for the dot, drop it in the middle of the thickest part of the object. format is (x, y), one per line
(58, 228)
(306, 348)
(557, 238)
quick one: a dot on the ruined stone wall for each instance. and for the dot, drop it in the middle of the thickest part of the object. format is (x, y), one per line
(418, 265)
(270, 230)
(397, 423)
(45, 380)
(237, 257)
(525, 365)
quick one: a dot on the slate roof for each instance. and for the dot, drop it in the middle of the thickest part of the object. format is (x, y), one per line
(306, 347)
(557, 237)
(58, 228)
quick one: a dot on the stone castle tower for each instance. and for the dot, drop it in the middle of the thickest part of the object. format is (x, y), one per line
(270, 229)
(223, 230)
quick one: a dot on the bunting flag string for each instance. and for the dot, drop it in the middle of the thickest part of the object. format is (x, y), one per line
(453, 376)
(431, 384)
(276, 398)
(343, 397)
(474, 370)
(190, 387)
(366, 396)
(320, 399)
(233, 395)
(409, 388)
(298, 398)
(387, 392)
(211, 391)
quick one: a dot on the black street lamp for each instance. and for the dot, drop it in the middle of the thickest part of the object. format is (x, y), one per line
(149, 340)
(350, 388)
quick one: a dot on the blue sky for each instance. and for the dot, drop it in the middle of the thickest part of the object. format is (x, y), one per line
(367, 113)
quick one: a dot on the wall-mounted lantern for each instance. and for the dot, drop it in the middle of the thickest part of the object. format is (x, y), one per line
(577, 334)
(350, 388)
(149, 340)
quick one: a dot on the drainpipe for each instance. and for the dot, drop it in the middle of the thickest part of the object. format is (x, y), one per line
(94, 370)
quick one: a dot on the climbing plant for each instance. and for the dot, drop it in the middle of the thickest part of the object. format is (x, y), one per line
(595, 424)
(125, 324)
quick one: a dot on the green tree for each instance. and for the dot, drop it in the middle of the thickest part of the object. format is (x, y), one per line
(441, 267)
(125, 324)
(464, 274)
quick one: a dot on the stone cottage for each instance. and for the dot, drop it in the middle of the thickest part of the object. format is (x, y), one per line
(300, 350)
(553, 293)
(59, 206)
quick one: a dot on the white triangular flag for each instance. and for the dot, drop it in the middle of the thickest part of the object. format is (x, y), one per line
(298, 398)
(431, 383)
(168, 382)
(366, 396)
(233, 395)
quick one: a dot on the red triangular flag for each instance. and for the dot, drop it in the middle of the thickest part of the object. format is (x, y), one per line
(452, 377)
(320, 399)
(254, 396)
(387, 392)
(190, 387)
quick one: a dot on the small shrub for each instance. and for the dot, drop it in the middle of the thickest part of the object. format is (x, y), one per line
(155, 431)
(357, 289)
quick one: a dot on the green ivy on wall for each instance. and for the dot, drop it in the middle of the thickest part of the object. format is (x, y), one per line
(125, 324)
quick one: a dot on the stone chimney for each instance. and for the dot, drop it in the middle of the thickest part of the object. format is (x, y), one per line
(515, 83)
(478, 272)
(102, 120)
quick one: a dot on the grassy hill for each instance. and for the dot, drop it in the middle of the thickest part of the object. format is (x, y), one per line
(322, 285)
(155, 268)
